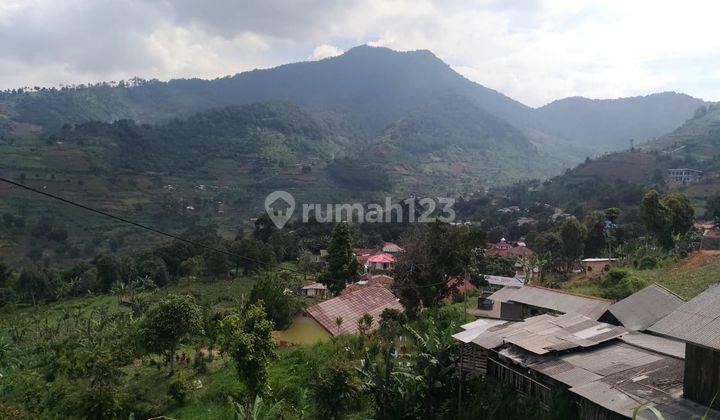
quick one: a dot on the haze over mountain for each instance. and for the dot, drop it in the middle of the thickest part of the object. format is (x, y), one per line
(361, 92)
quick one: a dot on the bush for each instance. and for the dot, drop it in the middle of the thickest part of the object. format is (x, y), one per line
(647, 263)
(178, 389)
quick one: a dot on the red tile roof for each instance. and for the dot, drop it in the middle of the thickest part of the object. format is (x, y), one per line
(506, 250)
(351, 307)
(381, 280)
(381, 258)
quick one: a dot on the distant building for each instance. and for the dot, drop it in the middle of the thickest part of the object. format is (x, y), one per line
(684, 176)
(314, 289)
(391, 248)
(595, 267)
(380, 262)
(508, 249)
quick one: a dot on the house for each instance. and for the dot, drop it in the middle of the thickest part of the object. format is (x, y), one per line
(391, 248)
(380, 262)
(526, 221)
(350, 307)
(697, 323)
(605, 370)
(594, 267)
(684, 176)
(507, 249)
(363, 254)
(314, 289)
(641, 310)
(381, 280)
(518, 303)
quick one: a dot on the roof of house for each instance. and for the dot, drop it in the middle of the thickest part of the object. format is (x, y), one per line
(644, 308)
(351, 307)
(315, 285)
(507, 250)
(504, 281)
(547, 333)
(618, 377)
(586, 260)
(560, 301)
(381, 280)
(391, 247)
(381, 258)
(605, 364)
(696, 321)
(504, 294)
(473, 329)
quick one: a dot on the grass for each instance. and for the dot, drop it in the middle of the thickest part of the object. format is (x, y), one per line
(686, 278)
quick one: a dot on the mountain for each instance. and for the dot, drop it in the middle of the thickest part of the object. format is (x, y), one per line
(610, 124)
(370, 87)
(698, 138)
(359, 94)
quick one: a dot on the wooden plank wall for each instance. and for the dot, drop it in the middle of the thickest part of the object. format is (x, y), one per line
(702, 374)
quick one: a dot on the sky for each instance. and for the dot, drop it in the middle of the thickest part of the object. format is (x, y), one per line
(534, 51)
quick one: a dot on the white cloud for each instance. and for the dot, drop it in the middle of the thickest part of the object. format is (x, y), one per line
(534, 51)
(325, 51)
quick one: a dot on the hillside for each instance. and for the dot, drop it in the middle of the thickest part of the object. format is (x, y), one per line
(610, 124)
(698, 138)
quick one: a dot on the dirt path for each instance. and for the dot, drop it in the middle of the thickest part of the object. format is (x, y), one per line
(697, 259)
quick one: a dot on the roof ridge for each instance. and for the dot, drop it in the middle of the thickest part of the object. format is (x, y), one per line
(569, 293)
(667, 290)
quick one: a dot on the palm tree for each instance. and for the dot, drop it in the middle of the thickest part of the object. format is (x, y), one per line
(338, 322)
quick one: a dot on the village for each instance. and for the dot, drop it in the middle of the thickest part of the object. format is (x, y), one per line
(649, 352)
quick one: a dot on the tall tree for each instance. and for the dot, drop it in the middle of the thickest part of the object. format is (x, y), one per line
(665, 217)
(433, 255)
(248, 337)
(342, 264)
(167, 322)
(280, 306)
(572, 237)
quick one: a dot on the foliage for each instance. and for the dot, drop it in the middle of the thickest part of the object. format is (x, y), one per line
(271, 289)
(336, 389)
(166, 323)
(668, 216)
(342, 265)
(433, 255)
(178, 389)
(247, 336)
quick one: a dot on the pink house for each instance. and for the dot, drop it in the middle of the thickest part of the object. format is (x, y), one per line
(380, 262)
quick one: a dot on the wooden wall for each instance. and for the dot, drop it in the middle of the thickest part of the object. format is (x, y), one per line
(702, 374)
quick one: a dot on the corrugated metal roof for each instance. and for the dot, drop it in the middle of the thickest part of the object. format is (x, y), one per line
(618, 377)
(547, 333)
(473, 329)
(644, 308)
(504, 294)
(696, 321)
(351, 307)
(662, 345)
(504, 281)
(560, 301)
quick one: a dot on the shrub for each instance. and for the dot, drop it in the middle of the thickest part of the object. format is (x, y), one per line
(178, 389)
(647, 263)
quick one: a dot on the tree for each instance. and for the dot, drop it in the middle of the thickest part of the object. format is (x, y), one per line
(364, 324)
(32, 284)
(336, 389)
(712, 209)
(168, 322)
(572, 237)
(281, 307)
(251, 254)
(155, 269)
(247, 335)
(306, 262)
(217, 264)
(342, 264)
(667, 217)
(108, 268)
(682, 214)
(433, 255)
(392, 322)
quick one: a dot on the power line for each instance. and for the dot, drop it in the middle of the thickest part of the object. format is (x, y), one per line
(130, 222)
